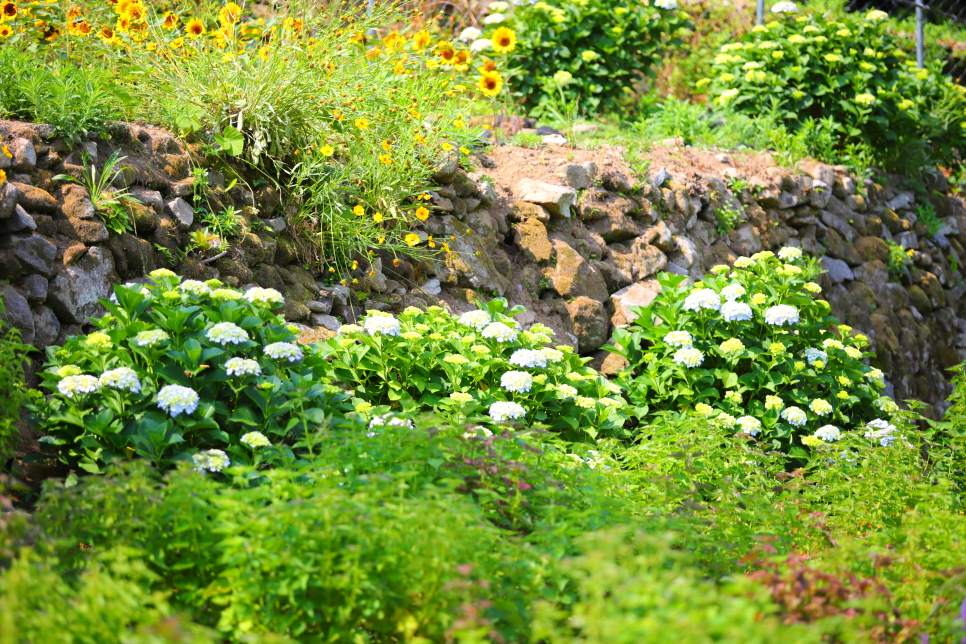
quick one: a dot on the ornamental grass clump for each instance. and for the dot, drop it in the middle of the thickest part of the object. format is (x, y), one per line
(752, 349)
(175, 373)
(853, 77)
(480, 367)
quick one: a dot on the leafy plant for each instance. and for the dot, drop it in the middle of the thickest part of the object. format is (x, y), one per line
(178, 367)
(767, 367)
(12, 355)
(604, 50)
(479, 363)
(109, 202)
(529, 140)
(728, 216)
(223, 224)
(926, 213)
(899, 259)
(851, 72)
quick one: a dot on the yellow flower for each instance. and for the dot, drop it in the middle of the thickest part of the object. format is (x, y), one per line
(386, 146)
(263, 52)
(338, 115)
(8, 10)
(446, 147)
(411, 239)
(459, 123)
(170, 21)
(359, 210)
(504, 40)
(194, 28)
(424, 197)
(3, 177)
(381, 239)
(177, 43)
(385, 158)
(413, 112)
(293, 24)
(327, 150)
(374, 53)
(362, 124)
(377, 218)
(490, 83)
(421, 40)
(422, 214)
(5, 31)
(229, 14)
(464, 150)
(832, 58)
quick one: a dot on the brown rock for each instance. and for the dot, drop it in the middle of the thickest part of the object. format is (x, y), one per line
(34, 199)
(933, 289)
(573, 276)
(74, 201)
(589, 323)
(531, 236)
(74, 253)
(870, 248)
(286, 251)
(229, 267)
(613, 364)
(637, 294)
(89, 232)
(919, 299)
(597, 203)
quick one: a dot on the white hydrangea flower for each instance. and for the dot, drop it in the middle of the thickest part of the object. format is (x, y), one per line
(150, 337)
(832, 343)
(349, 329)
(812, 287)
(480, 44)
(256, 440)
(501, 411)
(820, 407)
(242, 367)
(781, 314)
(887, 405)
(194, 287)
(725, 421)
(529, 359)
(668, 5)
(475, 319)
(882, 431)
(736, 312)
(68, 370)
(789, 253)
(774, 403)
(611, 403)
(225, 333)
(749, 425)
(499, 332)
(99, 340)
(494, 19)
(585, 402)
(758, 299)
(702, 299)
(552, 355)
(177, 400)
(744, 262)
(283, 351)
(122, 379)
(794, 416)
(516, 381)
(853, 352)
(733, 292)
(679, 339)
(460, 397)
(212, 460)
(732, 347)
(828, 433)
(815, 355)
(264, 296)
(162, 272)
(82, 384)
(388, 420)
(689, 357)
(566, 391)
(385, 324)
(876, 375)
(498, 7)
(470, 33)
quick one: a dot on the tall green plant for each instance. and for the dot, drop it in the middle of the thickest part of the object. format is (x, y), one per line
(12, 356)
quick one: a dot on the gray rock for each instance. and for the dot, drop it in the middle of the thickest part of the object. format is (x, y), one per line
(557, 199)
(24, 154)
(76, 203)
(488, 195)
(575, 175)
(35, 199)
(340, 294)
(150, 198)
(637, 294)
(838, 270)
(432, 287)
(35, 253)
(276, 225)
(677, 270)
(659, 178)
(843, 187)
(901, 200)
(745, 241)
(821, 172)
(17, 312)
(75, 292)
(445, 169)
(329, 322)
(839, 225)
(820, 194)
(20, 221)
(908, 240)
(787, 200)
(34, 288)
(182, 211)
(319, 306)
(659, 235)
(590, 323)
(685, 253)
(46, 327)
(9, 195)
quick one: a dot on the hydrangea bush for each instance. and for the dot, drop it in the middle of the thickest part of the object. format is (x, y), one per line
(850, 72)
(480, 366)
(182, 370)
(751, 349)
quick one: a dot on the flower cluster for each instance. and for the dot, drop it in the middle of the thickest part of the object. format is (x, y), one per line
(122, 379)
(211, 460)
(176, 400)
(225, 333)
(381, 323)
(242, 367)
(283, 351)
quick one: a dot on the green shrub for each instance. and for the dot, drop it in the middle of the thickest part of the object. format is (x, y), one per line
(177, 367)
(766, 367)
(12, 356)
(852, 72)
(477, 364)
(605, 49)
